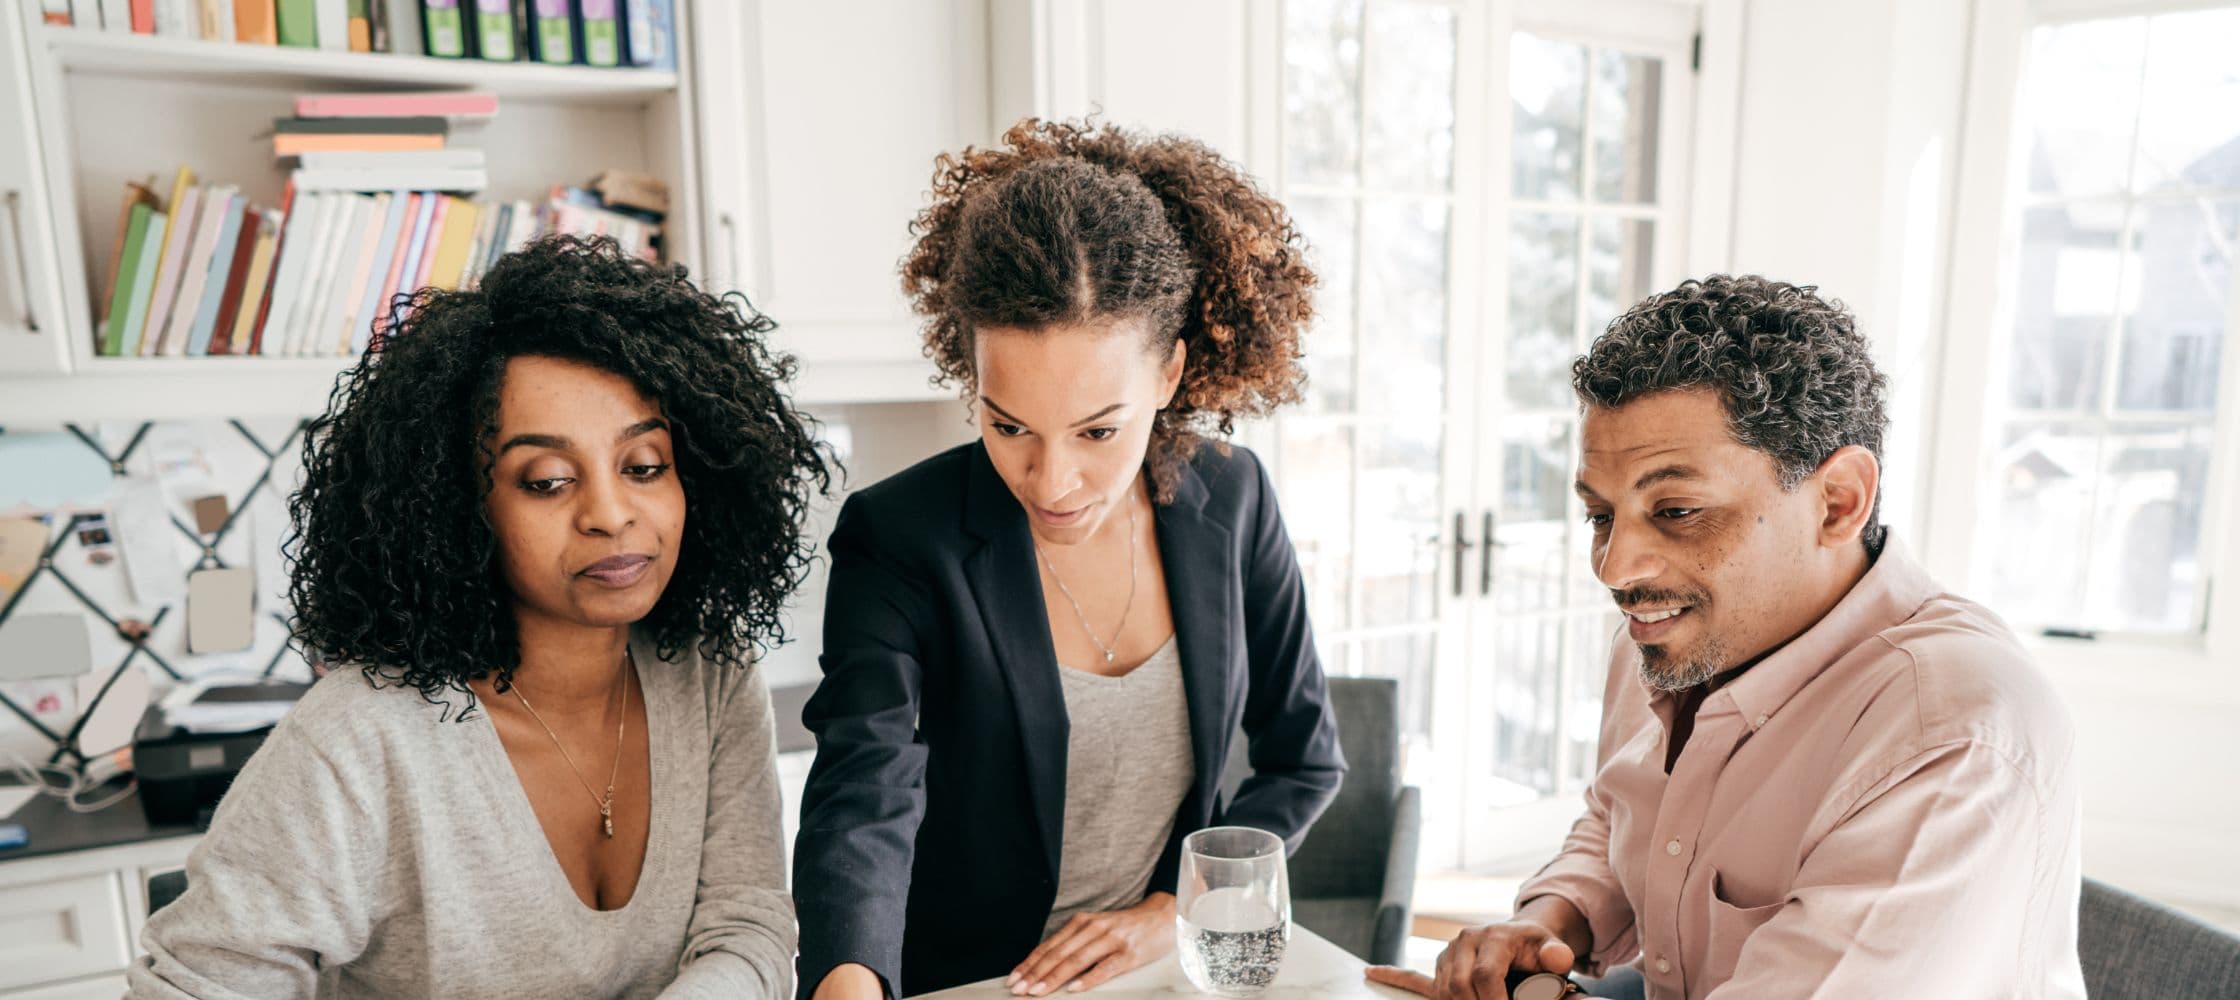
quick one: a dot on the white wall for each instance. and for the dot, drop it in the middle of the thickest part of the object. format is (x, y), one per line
(1847, 153)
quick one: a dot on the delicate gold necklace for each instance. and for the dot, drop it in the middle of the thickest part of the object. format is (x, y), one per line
(1124, 608)
(605, 802)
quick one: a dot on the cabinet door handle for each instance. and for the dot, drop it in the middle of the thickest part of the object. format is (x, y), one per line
(728, 229)
(23, 261)
(1461, 549)
(1485, 555)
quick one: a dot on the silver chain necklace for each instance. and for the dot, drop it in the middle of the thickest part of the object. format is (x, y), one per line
(1124, 608)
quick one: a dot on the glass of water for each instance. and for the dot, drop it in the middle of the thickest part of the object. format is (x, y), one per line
(1232, 910)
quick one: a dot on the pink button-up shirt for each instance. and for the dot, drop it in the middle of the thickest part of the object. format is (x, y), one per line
(1886, 806)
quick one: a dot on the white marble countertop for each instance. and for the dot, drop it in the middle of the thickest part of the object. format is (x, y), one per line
(1313, 968)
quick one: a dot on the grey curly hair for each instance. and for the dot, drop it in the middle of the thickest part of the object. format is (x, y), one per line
(1794, 373)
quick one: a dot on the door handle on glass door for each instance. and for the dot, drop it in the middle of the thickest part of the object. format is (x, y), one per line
(23, 262)
(1486, 546)
(1461, 549)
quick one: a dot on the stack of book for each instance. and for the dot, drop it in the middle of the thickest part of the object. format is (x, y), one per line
(341, 124)
(580, 32)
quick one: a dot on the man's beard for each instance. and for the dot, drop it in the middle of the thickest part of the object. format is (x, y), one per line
(1663, 672)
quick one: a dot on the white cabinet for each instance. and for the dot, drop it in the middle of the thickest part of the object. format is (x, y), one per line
(821, 126)
(70, 922)
(62, 929)
(31, 325)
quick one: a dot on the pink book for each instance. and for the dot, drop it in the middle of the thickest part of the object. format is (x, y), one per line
(396, 268)
(184, 219)
(451, 104)
(435, 231)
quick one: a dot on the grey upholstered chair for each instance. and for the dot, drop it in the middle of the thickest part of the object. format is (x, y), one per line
(2132, 948)
(1353, 880)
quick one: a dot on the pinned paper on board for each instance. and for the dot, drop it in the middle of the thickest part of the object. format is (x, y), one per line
(221, 610)
(22, 541)
(151, 545)
(42, 473)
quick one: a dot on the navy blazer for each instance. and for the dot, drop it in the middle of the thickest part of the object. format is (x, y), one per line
(931, 825)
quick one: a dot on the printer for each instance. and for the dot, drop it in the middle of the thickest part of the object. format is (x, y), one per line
(193, 741)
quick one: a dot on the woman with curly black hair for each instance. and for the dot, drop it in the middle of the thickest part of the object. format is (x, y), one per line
(1038, 645)
(541, 531)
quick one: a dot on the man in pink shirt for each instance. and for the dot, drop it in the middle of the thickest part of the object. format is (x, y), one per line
(1822, 775)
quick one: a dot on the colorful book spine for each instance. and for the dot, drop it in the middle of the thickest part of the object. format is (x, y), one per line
(599, 34)
(416, 251)
(360, 27)
(253, 289)
(254, 343)
(443, 28)
(296, 23)
(350, 285)
(333, 24)
(128, 277)
(214, 283)
(552, 32)
(144, 280)
(237, 281)
(384, 307)
(178, 239)
(253, 23)
(491, 32)
(288, 264)
(451, 254)
(186, 304)
(360, 332)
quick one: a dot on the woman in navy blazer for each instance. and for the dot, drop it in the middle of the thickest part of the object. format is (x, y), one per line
(1103, 299)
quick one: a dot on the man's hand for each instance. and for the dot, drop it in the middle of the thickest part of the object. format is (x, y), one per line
(850, 982)
(1477, 963)
(1094, 947)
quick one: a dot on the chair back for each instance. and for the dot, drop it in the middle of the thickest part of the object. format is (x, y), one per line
(2133, 948)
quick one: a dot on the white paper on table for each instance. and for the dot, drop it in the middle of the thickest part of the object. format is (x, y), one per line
(12, 798)
(142, 527)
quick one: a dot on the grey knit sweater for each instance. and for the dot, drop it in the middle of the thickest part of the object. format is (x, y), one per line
(372, 849)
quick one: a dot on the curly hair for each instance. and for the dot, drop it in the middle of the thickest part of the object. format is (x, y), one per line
(1072, 221)
(394, 562)
(1791, 369)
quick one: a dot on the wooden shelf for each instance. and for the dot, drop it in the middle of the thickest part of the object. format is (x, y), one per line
(110, 53)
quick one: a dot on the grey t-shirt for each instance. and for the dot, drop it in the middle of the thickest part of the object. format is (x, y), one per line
(373, 849)
(1128, 765)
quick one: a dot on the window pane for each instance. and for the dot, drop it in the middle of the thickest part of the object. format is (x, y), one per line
(1527, 675)
(1317, 464)
(2172, 339)
(1399, 524)
(1322, 90)
(2080, 102)
(2043, 522)
(1548, 93)
(1328, 224)
(2067, 290)
(2146, 569)
(1411, 97)
(1589, 653)
(1404, 319)
(1626, 102)
(1618, 262)
(2189, 123)
(1536, 471)
(1408, 659)
(1543, 302)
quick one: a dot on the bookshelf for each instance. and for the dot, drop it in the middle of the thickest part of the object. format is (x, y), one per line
(170, 59)
(796, 140)
(104, 109)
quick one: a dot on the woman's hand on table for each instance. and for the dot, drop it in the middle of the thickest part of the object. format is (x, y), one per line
(1094, 947)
